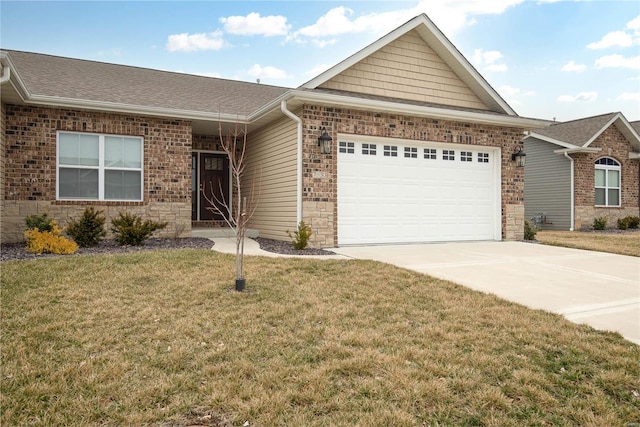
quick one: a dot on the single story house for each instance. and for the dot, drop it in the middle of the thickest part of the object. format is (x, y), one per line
(421, 145)
(583, 169)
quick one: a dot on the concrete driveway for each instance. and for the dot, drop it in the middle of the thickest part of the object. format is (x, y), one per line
(599, 289)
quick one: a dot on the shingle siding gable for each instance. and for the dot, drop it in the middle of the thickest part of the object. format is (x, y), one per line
(407, 68)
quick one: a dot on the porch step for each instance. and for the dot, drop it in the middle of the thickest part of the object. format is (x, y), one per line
(212, 233)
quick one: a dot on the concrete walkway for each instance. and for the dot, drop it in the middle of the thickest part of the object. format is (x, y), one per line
(227, 245)
(599, 289)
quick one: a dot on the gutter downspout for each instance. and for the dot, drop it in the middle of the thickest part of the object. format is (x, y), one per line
(298, 120)
(573, 202)
(6, 74)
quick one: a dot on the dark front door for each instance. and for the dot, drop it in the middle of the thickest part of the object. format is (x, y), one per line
(213, 176)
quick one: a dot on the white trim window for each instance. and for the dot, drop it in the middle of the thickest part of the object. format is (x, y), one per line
(99, 167)
(607, 182)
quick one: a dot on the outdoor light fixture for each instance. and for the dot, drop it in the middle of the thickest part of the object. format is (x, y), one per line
(324, 142)
(520, 158)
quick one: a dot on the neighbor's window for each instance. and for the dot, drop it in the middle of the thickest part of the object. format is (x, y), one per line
(607, 182)
(99, 167)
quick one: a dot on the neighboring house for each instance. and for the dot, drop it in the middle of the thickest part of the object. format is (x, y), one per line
(421, 145)
(581, 170)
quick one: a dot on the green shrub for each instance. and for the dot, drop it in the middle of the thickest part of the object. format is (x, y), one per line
(49, 242)
(600, 223)
(300, 237)
(129, 229)
(529, 231)
(623, 223)
(89, 229)
(632, 221)
(41, 222)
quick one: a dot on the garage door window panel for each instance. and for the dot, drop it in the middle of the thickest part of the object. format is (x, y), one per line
(369, 149)
(430, 153)
(390, 151)
(448, 155)
(347, 147)
(483, 157)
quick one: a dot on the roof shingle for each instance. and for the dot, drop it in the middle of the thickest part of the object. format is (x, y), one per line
(576, 132)
(55, 76)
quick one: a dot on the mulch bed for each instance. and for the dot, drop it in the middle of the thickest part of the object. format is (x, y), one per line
(17, 251)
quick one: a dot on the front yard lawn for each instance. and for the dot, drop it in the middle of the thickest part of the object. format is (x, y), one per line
(161, 339)
(627, 243)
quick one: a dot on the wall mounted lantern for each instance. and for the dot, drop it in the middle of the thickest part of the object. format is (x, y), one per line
(520, 158)
(324, 142)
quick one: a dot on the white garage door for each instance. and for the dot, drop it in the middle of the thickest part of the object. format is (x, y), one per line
(409, 192)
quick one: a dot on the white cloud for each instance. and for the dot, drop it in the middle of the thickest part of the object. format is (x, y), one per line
(448, 15)
(501, 68)
(486, 57)
(338, 21)
(620, 38)
(324, 43)
(629, 96)
(615, 38)
(267, 72)
(192, 42)
(618, 61)
(582, 97)
(254, 24)
(573, 67)
(634, 24)
(507, 90)
(487, 60)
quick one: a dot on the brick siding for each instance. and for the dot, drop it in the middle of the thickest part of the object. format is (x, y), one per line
(29, 178)
(613, 145)
(320, 170)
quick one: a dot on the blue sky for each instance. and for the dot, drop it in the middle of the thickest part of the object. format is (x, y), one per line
(548, 59)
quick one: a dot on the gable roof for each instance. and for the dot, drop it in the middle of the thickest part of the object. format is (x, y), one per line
(445, 50)
(40, 79)
(580, 133)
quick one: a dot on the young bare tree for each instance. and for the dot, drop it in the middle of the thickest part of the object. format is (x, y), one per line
(237, 211)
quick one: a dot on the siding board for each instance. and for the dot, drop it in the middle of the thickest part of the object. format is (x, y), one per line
(273, 154)
(547, 184)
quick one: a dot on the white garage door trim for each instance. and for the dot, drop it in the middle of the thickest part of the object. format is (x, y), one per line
(407, 198)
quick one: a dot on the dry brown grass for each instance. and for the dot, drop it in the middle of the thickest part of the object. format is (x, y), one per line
(627, 243)
(161, 339)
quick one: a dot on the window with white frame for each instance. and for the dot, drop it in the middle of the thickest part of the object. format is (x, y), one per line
(99, 167)
(607, 182)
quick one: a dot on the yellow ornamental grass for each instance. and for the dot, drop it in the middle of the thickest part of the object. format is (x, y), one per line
(49, 242)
